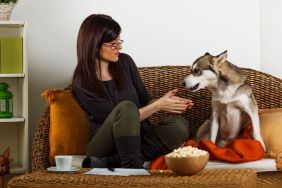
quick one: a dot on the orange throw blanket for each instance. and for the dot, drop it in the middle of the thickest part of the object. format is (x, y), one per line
(239, 150)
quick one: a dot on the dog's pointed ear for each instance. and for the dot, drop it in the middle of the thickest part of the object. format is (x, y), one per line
(7, 152)
(221, 58)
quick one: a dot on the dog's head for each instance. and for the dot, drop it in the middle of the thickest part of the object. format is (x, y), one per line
(205, 72)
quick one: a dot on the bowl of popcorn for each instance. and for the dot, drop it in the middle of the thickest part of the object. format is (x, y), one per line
(187, 160)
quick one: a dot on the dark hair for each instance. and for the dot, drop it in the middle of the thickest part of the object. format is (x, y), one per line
(95, 30)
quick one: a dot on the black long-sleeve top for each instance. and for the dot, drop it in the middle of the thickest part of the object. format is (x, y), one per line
(98, 108)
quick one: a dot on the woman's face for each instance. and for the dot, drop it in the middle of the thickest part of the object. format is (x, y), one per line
(110, 51)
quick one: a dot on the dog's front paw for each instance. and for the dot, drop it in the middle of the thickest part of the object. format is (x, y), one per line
(221, 143)
(213, 141)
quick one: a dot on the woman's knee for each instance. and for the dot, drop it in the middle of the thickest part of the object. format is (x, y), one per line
(173, 131)
(182, 123)
(127, 110)
(127, 121)
(127, 106)
(181, 127)
(177, 124)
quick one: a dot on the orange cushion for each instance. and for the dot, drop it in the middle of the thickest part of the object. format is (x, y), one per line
(69, 126)
(271, 130)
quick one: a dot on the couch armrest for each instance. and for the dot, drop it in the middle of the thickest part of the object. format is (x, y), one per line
(40, 144)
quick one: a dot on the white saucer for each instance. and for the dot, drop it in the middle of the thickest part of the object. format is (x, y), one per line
(54, 169)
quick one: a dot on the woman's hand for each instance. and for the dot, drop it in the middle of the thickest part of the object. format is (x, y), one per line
(169, 102)
(172, 103)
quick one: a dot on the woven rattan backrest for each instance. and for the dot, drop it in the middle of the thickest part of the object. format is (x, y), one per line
(158, 80)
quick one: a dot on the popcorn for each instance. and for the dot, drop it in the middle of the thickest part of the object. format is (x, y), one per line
(187, 152)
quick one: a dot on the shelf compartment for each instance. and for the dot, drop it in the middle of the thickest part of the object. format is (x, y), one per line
(15, 136)
(17, 170)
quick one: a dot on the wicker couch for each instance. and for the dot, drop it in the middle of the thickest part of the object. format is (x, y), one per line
(158, 80)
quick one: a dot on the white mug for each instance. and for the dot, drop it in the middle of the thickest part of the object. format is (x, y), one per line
(63, 162)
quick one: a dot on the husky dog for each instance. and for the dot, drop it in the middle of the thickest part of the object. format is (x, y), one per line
(233, 103)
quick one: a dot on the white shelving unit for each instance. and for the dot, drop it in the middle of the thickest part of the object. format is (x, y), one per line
(14, 131)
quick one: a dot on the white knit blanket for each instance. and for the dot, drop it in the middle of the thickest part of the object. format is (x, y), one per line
(259, 166)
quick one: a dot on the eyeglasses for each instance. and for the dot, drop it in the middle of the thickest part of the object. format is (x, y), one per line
(114, 45)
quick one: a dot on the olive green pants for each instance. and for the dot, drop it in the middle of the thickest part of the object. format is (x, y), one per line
(124, 122)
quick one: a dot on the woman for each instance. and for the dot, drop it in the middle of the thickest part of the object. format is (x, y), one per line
(108, 87)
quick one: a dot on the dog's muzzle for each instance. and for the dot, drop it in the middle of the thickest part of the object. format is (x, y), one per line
(195, 87)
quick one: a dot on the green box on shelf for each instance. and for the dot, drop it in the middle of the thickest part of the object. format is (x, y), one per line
(11, 56)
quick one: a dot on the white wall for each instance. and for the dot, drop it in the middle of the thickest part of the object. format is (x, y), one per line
(271, 36)
(159, 32)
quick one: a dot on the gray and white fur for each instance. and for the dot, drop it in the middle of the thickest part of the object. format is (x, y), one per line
(233, 102)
